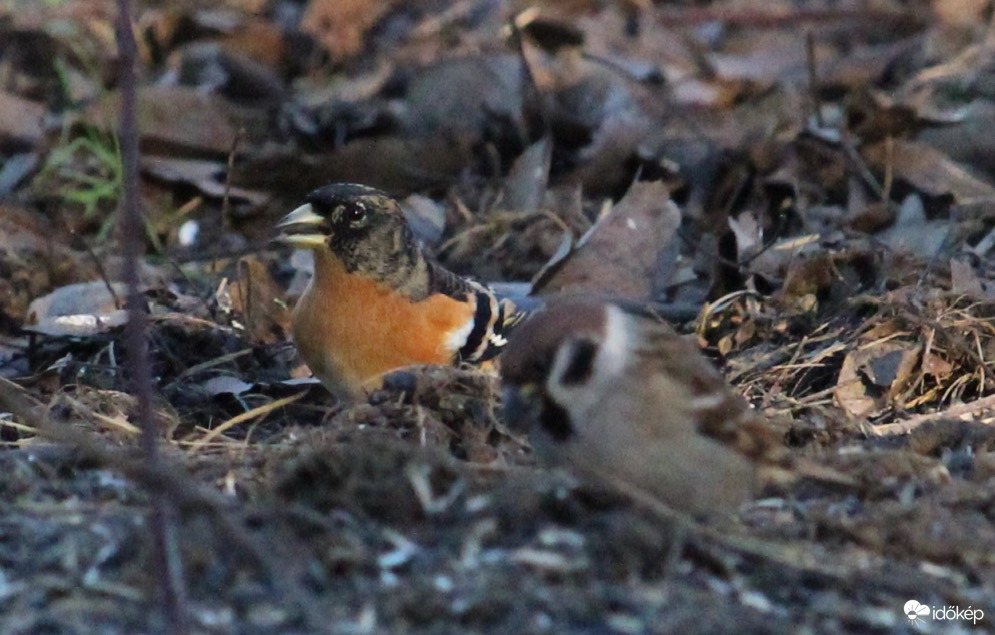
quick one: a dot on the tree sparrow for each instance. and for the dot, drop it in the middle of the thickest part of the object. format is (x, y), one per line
(619, 395)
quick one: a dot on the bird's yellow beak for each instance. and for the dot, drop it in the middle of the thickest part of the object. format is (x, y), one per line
(303, 228)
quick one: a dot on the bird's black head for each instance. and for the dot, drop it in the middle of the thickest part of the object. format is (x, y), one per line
(363, 227)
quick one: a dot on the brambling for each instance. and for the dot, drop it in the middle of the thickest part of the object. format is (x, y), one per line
(620, 396)
(375, 302)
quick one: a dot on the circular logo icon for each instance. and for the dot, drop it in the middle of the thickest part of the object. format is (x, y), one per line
(914, 610)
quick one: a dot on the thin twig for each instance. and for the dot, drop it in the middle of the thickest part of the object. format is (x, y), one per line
(889, 168)
(229, 176)
(170, 573)
(778, 18)
(100, 269)
(199, 294)
(255, 413)
(813, 80)
(975, 408)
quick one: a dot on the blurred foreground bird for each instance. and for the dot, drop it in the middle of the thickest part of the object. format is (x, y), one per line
(375, 302)
(620, 396)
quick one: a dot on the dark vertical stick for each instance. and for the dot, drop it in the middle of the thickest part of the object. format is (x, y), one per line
(132, 243)
(229, 175)
(130, 235)
(813, 79)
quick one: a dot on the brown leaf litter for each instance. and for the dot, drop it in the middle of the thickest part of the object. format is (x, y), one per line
(817, 213)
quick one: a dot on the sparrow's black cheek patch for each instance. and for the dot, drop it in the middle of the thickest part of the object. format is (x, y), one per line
(580, 366)
(555, 421)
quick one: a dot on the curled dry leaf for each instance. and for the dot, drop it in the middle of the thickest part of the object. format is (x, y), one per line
(340, 25)
(621, 254)
(225, 385)
(206, 176)
(231, 73)
(78, 310)
(393, 163)
(928, 170)
(526, 182)
(872, 378)
(913, 232)
(933, 364)
(254, 296)
(173, 119)
(964, 280)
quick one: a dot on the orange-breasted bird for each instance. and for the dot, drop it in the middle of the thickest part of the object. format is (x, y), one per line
(375, 302)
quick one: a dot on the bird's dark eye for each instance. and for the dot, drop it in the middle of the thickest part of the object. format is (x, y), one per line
(355, 214)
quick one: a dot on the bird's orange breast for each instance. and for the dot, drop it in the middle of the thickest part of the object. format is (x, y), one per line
(351, 330)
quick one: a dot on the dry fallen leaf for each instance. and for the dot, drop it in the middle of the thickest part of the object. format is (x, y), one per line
(21, 120)
(927, 169)
(254, 296)
(620, 255)
(873, 377)
(340, 25)
(225, 385)
(396, 164)
(206, 176)
(964, 280)
(526, 182)
(913, 232)
(79, 310)
(173, 119)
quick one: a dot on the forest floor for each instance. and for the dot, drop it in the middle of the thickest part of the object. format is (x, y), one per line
(830, 243)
